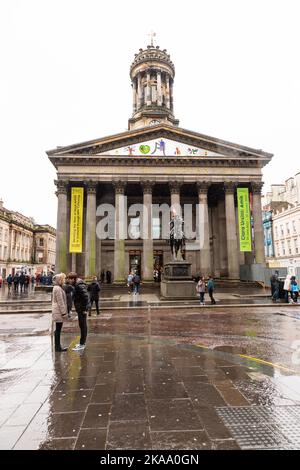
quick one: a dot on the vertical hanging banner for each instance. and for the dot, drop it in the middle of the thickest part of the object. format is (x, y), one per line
(76, 218)
(244, 219)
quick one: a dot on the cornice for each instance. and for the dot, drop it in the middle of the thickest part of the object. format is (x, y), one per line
(126, 160)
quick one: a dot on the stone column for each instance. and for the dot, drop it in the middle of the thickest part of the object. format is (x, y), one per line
(148, 91)
(134, 95)
(259, 249)
(204, 235)
(120, 233)
(90, 230)
(232, 245)
(175, 196)
(159, 95)
(62, 227)
(168, 91)
(222, 237)
(171, 96)
(147, 264)
(139, 91)
(216, 240)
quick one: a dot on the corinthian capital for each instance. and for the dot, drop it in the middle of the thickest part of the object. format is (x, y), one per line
(119, 186)
(257, 187)
(91, 187)
(174, 187)
(147, 186)
(62, 187)
(229, 187)
(203, 186)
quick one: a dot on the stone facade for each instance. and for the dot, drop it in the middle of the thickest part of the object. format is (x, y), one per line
(25, 245)
(156, 163)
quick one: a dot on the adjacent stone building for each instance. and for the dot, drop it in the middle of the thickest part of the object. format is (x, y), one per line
(24, 245)
(283, 203)
(157, 162)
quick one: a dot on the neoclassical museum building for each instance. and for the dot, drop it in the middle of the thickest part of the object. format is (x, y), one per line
(156, 162)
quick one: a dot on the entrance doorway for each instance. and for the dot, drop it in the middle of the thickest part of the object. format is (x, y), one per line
(135, 262)
(158, 263)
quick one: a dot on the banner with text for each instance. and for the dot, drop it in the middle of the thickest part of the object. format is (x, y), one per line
(76, 216)
(244, 219)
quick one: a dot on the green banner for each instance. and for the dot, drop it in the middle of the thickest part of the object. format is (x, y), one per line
(244, 219)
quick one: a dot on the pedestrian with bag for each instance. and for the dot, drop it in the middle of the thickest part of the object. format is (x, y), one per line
(9, 281)
(201, 289)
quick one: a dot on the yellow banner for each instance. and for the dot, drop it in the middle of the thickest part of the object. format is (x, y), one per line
(77, 195)
(244, 219)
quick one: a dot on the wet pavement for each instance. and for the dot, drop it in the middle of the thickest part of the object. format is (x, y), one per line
(113, 298)
(153, 378)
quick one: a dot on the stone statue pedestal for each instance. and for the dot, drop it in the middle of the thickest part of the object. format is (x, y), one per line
(177, 281)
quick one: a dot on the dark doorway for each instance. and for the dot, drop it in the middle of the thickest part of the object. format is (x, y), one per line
(135, 262)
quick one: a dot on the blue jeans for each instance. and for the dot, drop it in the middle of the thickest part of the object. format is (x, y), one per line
(202, 297)
(136, 288)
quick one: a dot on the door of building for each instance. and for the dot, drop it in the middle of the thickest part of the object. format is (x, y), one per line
(135, 262)
(158, 262)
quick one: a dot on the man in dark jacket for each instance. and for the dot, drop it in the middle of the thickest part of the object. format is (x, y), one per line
(16, 282)
(82, 306)
(22, 280)
(94, 290)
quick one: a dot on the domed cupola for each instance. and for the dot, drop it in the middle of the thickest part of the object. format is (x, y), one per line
(152, 76)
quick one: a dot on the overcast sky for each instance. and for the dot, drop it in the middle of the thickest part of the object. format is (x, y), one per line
(64, 79)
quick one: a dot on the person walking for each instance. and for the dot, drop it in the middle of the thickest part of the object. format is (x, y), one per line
(22, 282)
(59, 309)
(211, 288)
(130, 282)
(294, 289)
(1, 281)
(108, 277)
(201, 290)
(16, 282)
(287, 288)
(273, 280)
(9, 281)
(136, 284)
(94, 289)
(276, 286)
(82, 306)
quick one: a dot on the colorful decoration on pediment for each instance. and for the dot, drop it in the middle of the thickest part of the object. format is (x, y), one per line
(161, 147)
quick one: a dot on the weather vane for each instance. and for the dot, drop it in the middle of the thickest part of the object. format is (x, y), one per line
(152, 35)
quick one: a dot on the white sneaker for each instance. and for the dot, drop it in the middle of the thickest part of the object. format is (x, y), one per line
(79, 347)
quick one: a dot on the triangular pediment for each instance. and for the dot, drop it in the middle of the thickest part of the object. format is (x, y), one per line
(161, 140)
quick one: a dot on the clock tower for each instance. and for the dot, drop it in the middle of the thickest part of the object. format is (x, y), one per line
(152, 76)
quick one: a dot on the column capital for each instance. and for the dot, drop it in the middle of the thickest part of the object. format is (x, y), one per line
(119, 186)
(257, 187)
(203, 186)
(147, 186)
(62, 187)
(174, 186)
(229, 187)
(91, 186)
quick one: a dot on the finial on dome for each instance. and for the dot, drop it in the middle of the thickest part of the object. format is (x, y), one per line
(152, 35)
